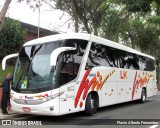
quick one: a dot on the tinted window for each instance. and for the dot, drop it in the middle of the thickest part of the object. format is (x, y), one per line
(71, 60)
(132, 61)
(101, 55)
(97, 56)
(150, 66)
(142, 63)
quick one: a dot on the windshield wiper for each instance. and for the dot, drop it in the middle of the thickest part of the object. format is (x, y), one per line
(19, 79)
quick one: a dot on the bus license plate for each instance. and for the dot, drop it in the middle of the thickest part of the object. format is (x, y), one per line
(26, 109)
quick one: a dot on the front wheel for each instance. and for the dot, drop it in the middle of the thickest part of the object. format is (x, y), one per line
(91, 105)
(143, 96)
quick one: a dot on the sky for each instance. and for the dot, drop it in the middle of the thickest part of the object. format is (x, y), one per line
(49, 18)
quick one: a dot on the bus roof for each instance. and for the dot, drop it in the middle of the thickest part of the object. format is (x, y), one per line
(83, 36)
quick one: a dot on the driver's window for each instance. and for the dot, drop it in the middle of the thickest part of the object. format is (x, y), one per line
(71, 60)
(69, 68)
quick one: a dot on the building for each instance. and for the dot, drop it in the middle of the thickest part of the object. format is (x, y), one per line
(33, 31)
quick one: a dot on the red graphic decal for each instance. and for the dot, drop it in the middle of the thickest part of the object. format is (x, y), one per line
(88, 87)
(40, 96)
(135, 84)
(81, 104)
(93, 84)
(142, 81)
(81, 88)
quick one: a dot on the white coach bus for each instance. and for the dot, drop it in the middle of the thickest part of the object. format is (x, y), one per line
(68, 73)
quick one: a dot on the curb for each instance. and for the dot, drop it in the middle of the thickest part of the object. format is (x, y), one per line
(11, 114)
(158, 92)
(7, 116)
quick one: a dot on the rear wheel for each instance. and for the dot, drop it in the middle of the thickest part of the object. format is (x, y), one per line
(91, 105)
(143, 96)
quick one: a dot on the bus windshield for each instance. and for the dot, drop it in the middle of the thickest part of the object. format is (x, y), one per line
(33, 70)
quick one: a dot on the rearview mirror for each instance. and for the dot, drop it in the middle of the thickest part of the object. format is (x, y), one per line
(6, 58)
(56, 52)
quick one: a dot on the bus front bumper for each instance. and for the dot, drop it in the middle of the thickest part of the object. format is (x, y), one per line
(47, 108)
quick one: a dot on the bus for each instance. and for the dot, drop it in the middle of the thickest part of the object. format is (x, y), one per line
(68, 73)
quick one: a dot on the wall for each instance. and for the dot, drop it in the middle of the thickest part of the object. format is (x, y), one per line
(30, 36)
(0, 95)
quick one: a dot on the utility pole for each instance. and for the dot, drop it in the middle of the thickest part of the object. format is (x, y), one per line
(38, 21)
(39, 18)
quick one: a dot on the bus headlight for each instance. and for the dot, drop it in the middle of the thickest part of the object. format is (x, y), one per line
(45, 99)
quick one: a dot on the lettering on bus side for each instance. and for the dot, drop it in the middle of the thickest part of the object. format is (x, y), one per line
(141, 81)
(123, 74)
(92, 75)
(96, 83)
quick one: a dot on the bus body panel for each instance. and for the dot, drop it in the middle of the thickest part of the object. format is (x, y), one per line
(50, 107)
(67, 100)
(113, 85)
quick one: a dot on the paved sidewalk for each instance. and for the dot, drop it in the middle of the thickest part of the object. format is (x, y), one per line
(158, 92)
(11, 114)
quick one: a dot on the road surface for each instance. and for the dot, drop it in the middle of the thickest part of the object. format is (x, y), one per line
(105, 117)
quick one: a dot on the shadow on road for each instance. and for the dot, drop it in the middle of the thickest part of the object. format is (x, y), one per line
(80, 118)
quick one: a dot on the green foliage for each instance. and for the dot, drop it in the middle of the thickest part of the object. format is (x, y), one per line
(9, 69)
(113, 24)
(135, 23)
(88, 12)
(11, 37)
(154, 20)
(136, 5)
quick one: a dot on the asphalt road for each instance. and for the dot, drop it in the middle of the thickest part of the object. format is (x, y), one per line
(105, 117)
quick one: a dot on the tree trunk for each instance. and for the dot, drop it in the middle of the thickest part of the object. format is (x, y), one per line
(75, 17)
(132, 40)
(81, 17)
(76, 24)
(3, 12)
(95, 29)
(158, 77)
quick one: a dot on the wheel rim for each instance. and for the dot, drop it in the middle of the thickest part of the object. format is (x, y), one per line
(92, 103)
(144, 97)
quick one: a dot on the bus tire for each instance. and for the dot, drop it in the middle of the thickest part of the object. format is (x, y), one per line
(91, 105)
(143, 96)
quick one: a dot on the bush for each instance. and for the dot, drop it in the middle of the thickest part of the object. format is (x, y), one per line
(11, 37)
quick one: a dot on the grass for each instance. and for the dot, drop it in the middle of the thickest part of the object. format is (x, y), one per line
(9, 69)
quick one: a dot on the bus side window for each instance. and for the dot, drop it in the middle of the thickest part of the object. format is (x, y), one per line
(68, 69)
(98, 56)
(71, 60)
(150, 65)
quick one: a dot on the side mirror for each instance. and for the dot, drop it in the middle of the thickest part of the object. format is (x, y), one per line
(6, 58)
(56, 52)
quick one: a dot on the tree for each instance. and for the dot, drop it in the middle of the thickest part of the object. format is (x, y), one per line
(70, 8)
(88, 12)
(136, 23)
(114, 23)
(11, 37)
(3, 12)
(136, 5)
